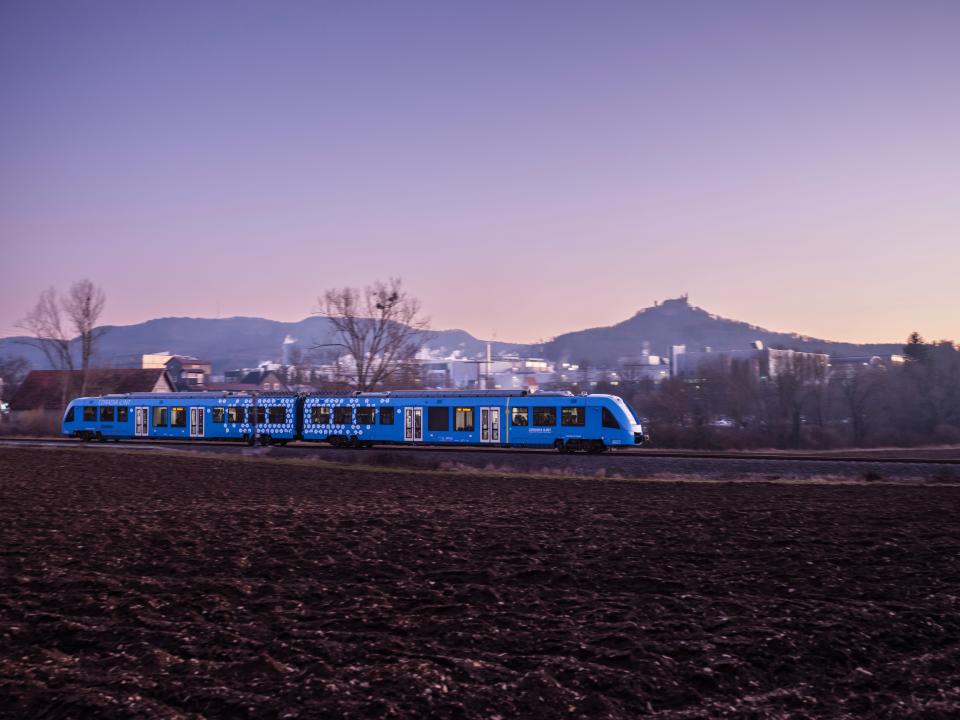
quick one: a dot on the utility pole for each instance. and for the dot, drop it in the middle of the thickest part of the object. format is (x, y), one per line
(255, 426)
(486, 377)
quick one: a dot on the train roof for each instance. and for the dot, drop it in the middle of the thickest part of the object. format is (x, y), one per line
(215, 394)
(442, 393)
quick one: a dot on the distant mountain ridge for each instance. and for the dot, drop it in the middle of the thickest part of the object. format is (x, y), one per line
(676, 322)
(232, 342)
(246, 341)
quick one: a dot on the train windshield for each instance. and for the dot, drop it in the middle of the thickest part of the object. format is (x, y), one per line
(631, 413)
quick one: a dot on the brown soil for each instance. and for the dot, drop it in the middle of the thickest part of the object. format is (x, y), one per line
(135, 585)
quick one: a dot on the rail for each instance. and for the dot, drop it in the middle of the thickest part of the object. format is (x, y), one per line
(638, 454)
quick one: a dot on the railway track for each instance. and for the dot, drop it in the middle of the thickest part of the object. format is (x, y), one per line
(947, 456)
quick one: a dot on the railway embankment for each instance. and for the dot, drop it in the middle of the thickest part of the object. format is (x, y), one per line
(940, 465)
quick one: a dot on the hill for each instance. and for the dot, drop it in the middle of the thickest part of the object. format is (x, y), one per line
(231, 342)
(676, 322)
(245, 341)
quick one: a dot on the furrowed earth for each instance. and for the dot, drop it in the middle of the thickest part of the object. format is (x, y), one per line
(149, 585)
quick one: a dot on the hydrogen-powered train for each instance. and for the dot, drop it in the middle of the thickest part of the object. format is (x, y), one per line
(503, 418)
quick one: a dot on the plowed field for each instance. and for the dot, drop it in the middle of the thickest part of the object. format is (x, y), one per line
(151, 586)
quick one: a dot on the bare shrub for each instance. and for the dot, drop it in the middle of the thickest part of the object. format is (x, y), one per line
(946, 434)
(42, 423)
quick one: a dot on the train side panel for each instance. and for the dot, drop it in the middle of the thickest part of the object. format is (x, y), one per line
(186, 417)
(538, 420)
(514, 421)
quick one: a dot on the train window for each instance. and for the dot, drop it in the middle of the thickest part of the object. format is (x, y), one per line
(438, 418)
(463, 419)
(159, 416)
(260, 412)
(544, 416)
(386, 416)
(89, 413)
(277, 415)
(519, 416)
(320, 415)
(107, 414)
(342, 415)
(178, 417)
(573, 416)
(609, 421)
(217, 415)
(123, 414)
(234, 414)
(366, 415)
(69, 416)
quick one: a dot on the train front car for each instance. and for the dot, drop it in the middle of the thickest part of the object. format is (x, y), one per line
(620, 418)
(595, 423)
(497, 418)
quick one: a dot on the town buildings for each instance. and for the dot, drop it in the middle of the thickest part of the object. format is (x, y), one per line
(762, 362)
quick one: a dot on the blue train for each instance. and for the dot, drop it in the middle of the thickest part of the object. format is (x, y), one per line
(561, 420)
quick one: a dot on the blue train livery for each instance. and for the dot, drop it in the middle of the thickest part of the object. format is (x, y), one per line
(506, 418)
(561, 420)
(184, 416)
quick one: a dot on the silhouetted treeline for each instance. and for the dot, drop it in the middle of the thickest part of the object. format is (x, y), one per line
(916, 402)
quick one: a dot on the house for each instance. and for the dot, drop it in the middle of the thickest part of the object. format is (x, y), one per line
(252, 381)
(186, 371)
(189, 373)
(39, 401)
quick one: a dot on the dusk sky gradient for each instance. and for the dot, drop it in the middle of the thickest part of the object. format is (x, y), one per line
(527, 168)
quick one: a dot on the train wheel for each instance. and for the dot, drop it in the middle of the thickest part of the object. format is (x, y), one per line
(596, 447)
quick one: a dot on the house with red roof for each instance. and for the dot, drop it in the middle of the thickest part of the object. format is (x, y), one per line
(40, 400)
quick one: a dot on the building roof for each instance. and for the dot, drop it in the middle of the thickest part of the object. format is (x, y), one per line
(187, 360)
(256, 377)
(43, 389)
(233, 386)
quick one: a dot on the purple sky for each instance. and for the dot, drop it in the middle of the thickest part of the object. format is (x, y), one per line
(527, 168)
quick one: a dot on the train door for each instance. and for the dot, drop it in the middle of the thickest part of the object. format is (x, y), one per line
(140, 417)
(490, 424)
(196, 422)
(413, 424)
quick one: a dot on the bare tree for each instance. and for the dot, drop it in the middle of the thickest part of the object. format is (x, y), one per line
(84, 305)
(379, 328)
(12, 371)
(858, 391)
(742, 392)
(46, 323)
(798, 379)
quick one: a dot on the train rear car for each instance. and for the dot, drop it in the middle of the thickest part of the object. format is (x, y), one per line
(184, 416)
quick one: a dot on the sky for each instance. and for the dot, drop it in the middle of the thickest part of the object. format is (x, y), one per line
(527, 168)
